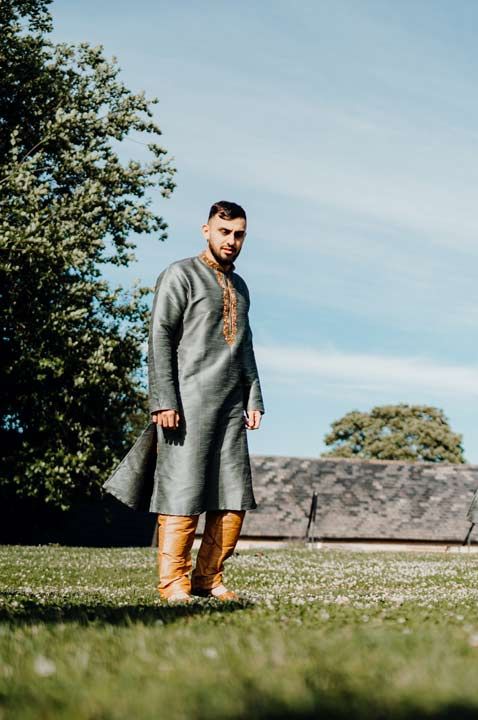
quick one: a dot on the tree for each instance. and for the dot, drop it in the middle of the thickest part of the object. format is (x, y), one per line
(396, 432)
(71, 346)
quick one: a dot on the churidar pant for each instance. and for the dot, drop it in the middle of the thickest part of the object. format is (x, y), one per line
(175, 541)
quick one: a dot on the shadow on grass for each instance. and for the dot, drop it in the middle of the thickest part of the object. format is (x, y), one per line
(332, 707)
(29, 611)
(339, 701)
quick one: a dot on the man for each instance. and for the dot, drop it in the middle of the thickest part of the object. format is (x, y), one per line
(204, 393)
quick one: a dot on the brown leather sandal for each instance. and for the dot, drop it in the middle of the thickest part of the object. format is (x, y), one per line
(219, 593)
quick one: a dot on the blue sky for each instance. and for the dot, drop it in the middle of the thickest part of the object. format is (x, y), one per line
(349, 132)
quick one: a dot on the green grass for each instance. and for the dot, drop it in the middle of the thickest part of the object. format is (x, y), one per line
(319, 633)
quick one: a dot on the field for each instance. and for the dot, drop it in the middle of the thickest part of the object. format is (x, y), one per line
(318, 633)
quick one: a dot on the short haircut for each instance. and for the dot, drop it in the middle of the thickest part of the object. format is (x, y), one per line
(227, 210)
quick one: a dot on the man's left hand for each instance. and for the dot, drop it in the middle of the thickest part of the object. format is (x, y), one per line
(253, 419)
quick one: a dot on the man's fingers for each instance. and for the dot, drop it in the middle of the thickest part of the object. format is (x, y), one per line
(250, 420)
(253, 419)
(169, 419)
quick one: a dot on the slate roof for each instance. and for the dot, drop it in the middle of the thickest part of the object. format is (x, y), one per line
(357, 499)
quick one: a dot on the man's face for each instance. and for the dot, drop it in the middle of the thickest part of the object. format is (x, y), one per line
(225, 238)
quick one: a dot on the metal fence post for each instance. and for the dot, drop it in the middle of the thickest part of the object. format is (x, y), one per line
(312, 519)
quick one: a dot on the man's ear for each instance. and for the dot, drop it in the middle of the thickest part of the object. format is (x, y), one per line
(205, 230)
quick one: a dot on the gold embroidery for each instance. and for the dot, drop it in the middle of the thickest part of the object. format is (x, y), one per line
(229, 299)
(213, 264)
(229, 309)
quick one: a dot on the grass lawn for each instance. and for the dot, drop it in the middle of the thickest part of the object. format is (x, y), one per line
(320, 633)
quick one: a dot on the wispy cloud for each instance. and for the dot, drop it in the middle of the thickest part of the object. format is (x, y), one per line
(369, 371)
(365, 165)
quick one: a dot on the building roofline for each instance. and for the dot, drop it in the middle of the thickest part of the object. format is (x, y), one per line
(471, 466)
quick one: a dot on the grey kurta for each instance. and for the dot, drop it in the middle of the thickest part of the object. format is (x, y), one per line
(201, 363)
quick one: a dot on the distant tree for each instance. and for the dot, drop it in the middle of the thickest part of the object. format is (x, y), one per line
(396, 432)
(71, 346)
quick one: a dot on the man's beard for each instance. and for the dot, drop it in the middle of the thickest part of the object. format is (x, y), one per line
(221, 260)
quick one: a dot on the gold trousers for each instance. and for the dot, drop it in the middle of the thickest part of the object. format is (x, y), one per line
(175, 541)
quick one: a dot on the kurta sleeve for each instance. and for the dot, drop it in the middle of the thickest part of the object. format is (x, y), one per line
(252, 388)
(169, 304)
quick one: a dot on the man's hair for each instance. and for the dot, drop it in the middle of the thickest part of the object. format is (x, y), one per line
(227, 210)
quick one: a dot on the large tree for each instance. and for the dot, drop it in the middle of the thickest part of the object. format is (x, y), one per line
(71, 346)
(396, 432)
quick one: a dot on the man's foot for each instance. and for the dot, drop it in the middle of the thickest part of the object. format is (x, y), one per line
(219, 592)
(179, 597)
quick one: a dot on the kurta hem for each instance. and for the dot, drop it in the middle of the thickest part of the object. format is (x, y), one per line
(207, 509)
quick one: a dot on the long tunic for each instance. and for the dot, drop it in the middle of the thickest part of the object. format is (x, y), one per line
(201, 363)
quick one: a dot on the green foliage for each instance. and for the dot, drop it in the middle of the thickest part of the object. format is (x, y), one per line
(71, 346)
(396, 432)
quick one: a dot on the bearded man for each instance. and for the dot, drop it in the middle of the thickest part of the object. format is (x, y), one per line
(204, 393)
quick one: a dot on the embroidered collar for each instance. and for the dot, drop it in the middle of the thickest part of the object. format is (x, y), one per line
(214, 265)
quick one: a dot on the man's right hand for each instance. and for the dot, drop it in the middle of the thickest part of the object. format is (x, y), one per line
(166, 418)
